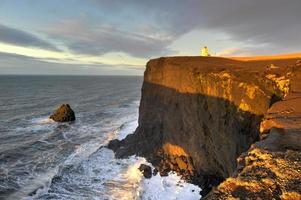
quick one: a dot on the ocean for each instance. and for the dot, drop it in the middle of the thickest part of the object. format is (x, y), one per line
(42, 159)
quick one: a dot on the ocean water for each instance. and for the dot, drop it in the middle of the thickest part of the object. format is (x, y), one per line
(42, 159)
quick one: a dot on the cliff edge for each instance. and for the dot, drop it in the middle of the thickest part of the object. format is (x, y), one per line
(199, 115)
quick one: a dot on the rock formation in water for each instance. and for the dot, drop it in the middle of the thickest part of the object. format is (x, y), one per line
(146, 170)
(63, 114)
(199, 114)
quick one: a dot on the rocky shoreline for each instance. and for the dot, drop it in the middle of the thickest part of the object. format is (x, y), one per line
(198, 116)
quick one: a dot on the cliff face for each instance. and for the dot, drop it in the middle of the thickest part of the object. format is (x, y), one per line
(198, 114)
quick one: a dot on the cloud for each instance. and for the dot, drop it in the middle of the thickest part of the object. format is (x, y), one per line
(272, 23)
(19, 64)
(169, 17)
(101, 39)
(145, 29)
(18, 37)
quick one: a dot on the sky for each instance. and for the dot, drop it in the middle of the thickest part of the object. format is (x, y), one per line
(118, 37)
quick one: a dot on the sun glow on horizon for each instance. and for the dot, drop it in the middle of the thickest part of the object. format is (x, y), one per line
(69, 58)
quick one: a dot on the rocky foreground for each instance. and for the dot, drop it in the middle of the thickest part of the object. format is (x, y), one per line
(230, 126)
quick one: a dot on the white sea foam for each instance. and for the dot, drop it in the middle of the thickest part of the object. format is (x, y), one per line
(127, 128)
(42, 120)
(37, 124)
(170, 187)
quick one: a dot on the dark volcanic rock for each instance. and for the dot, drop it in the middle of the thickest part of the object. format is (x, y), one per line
(63, 114)
(146, 170)
(114, 144)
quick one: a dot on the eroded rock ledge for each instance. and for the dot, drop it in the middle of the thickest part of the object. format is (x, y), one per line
(199, 114)
(271, 168)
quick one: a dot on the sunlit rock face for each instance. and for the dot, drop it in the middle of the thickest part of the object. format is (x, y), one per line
(198, 114)
(263, 175)
(63, 114)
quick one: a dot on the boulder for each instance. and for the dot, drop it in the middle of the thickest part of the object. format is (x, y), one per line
(63, 114)
(146, 170)
(114, 144)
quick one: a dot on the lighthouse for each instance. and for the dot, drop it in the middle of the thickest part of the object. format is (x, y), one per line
(205, 51)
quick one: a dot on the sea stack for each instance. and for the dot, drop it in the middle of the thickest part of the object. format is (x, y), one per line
(63, 114)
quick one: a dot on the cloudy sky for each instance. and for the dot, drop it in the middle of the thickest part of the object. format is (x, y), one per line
(117, 37)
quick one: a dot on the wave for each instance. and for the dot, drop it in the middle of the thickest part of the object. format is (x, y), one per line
(170, 187)
(37, 124)
(82, 153)
(127, 128)
(93, 173)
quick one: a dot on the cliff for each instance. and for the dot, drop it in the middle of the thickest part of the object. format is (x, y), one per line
(199, 114)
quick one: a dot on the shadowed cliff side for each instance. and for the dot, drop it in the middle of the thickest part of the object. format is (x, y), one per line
(192, 134)
(197, 115)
